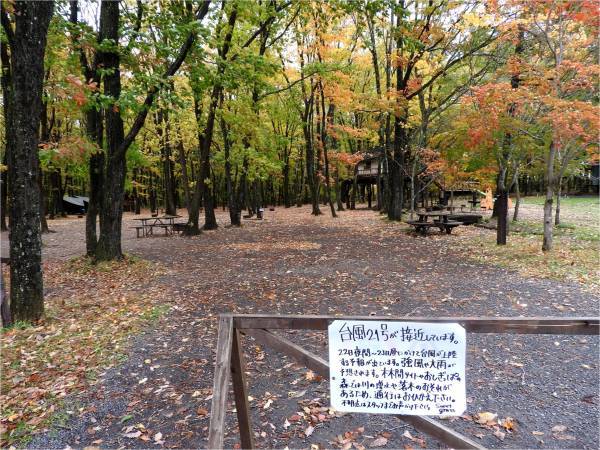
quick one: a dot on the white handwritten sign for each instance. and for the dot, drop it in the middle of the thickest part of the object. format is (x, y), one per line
(397, 367)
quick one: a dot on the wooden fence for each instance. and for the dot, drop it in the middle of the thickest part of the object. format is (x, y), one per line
(230, 360)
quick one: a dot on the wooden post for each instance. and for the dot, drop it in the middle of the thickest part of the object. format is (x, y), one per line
(216, 428)
(240, 392)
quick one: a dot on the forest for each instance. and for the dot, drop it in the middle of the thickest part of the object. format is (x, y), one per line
(198, 105)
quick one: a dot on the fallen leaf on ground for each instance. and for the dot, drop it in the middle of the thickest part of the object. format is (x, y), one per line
(379, 442)
(499, 434)
(133, 435)
(508, 424)
(486, 418)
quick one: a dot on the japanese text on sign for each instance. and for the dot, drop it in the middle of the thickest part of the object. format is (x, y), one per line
(397, 367)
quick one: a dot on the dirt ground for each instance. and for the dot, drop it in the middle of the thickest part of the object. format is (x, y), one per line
(358, 264)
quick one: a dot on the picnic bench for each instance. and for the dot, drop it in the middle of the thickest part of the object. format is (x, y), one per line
(148, 224)
(440, 221)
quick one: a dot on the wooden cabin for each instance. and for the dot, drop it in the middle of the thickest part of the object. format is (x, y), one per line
(369, 169)
(368, 176)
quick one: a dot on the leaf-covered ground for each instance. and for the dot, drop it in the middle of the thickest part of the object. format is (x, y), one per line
(90, 311)
(523, 391)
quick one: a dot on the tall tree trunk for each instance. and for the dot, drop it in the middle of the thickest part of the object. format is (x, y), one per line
(193, 227)
(113, 192)
(235, 213)
(327, 118)
(549, 179)
(45, 129)
(163, 128)
(396, 172)
(43, 222)
(184, 175)
(286, 177)
(558, 194)
(307, 117)
(96, 169)
(502, 190)
(205, 139)
(210, 221)
(517, 200)
(381, 131)
(396, 177)
(27, 45)
(502, 230)
(310, 169)
(338, 190)
(300, 182)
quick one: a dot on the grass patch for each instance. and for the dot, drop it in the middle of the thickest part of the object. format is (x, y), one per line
(573, 258)
(91, 309)
(564, 230)
(583, 202)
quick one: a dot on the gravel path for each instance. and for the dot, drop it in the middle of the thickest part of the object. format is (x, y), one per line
(357, 264)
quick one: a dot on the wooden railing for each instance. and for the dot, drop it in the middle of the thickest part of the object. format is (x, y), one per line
(230, 360)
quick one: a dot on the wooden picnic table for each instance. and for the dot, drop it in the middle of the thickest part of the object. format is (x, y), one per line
(442, 222)
(166, 222)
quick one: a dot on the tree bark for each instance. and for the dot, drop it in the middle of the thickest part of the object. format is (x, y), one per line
(193, 226)
(517, 199)
(43, 222)
(300, 182)
(96, 168)
(109, 243)
(396, 171)
(549, 179)
(210, 221)
(184, 175)
(27, 45)
(558, 194)
(235, 213)
(327, 118)
(286, 177)
(338, 190)
(502, 190)
(502, 230)
(162, 127)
